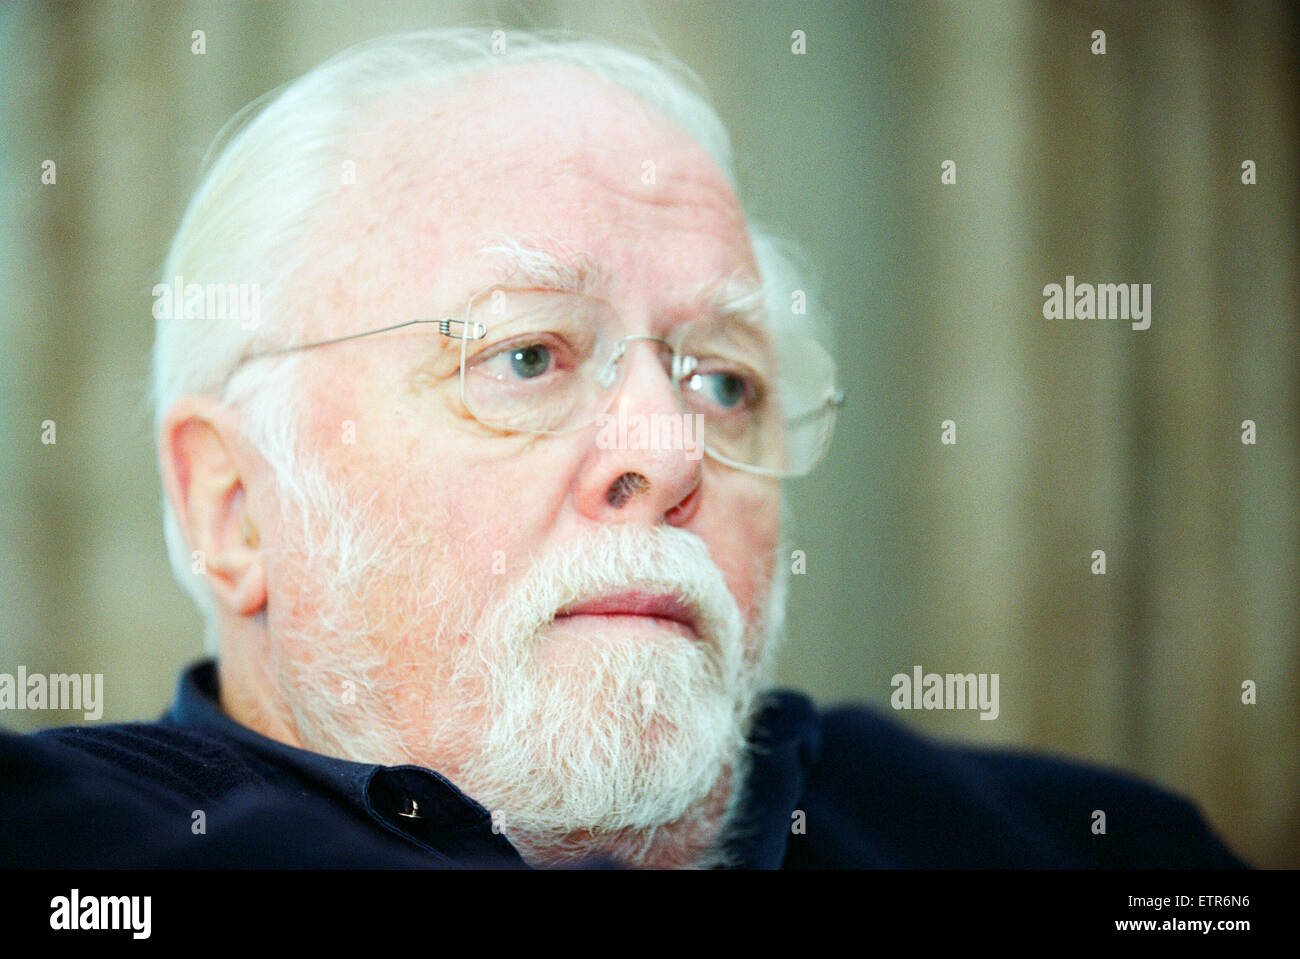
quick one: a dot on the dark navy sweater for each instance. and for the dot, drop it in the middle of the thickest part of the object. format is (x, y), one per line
(844, 788)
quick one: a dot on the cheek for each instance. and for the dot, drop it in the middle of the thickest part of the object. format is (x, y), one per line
(485, 515)
(742, 532)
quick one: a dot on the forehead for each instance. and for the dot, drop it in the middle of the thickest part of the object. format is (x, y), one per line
(537, 152)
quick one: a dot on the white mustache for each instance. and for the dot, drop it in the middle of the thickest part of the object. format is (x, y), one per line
(659, 560)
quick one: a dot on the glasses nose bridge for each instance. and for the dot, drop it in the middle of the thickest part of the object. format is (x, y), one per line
(609, 372)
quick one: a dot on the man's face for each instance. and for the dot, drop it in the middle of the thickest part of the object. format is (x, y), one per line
(434, 582)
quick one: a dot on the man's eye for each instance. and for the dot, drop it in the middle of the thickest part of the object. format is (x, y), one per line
(724, 390)
(530, 361)
(519, 361)
(728, 389)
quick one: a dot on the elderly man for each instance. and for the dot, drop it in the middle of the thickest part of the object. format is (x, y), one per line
(477, 480)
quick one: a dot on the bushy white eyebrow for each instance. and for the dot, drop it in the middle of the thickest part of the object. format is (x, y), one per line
(736, 296)
(572, 272)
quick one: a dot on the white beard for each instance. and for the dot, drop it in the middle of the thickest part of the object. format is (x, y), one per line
(580, 745)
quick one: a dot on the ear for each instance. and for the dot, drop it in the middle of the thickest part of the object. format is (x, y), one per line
(199, 448)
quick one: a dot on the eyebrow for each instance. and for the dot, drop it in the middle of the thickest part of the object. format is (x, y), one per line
(529, 264)
(738, 296)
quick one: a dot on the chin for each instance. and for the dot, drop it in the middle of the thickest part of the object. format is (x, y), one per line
(696, 840)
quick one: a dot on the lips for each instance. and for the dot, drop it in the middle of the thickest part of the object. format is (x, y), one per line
(659, 606)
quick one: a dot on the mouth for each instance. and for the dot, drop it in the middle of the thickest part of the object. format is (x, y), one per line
(634, 608)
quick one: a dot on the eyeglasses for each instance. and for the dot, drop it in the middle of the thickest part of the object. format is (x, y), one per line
(548, 362)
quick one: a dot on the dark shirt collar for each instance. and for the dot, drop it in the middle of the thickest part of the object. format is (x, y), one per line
(426, 808)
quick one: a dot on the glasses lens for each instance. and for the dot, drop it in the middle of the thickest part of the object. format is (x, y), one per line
(809, 401)
(729, 375)
(536, 368)
(549, 363)
(764, 397)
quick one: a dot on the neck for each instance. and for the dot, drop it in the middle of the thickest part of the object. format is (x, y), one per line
(247, 693)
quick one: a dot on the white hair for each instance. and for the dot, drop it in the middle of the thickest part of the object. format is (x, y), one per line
(274, 167)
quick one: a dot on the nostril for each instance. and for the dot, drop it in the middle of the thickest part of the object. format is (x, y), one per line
(684, 510)
(625, 488)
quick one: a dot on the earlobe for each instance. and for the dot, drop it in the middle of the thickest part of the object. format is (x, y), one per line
(205, 483)
(248, 587)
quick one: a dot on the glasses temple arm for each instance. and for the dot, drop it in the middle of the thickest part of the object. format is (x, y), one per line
(833, 401)
(444, 326)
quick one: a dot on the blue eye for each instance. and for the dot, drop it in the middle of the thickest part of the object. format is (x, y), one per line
(726, 390)
(527, 361)
(729, 390)
(530, 361)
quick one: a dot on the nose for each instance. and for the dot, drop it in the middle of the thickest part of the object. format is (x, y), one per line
(609, 372)
(646, 460)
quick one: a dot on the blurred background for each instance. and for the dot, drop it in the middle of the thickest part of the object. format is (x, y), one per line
(1072, 435)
